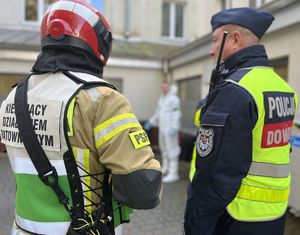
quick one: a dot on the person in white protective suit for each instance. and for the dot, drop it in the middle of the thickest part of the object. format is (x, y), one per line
(167, 117)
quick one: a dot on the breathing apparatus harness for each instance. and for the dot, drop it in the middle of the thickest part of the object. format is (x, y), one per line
(100, 221)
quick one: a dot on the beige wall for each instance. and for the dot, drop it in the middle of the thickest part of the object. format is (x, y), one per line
(140, 86)
(16, 62)
(199, 19)
(146, 18)
(10, 15)
(200, 68)
(240, 3)
(114, 13)
(244, 3)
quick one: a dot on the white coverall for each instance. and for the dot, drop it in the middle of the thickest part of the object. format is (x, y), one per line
(167, 118)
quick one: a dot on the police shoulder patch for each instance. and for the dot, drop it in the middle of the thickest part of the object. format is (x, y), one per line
(139, 139)
(204, 141)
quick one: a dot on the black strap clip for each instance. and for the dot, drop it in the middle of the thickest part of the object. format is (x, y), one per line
(51, 180)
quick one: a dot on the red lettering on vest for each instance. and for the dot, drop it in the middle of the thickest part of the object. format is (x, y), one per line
(277, 134)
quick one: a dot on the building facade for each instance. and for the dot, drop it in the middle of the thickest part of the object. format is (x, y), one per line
(135, 66)
(157, 40)
(192, 64)
(154, 40)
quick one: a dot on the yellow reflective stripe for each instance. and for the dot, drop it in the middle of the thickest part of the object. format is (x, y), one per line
(139, 139)
(114, 126)
(197, 118)
(193, 165)
(115, 132)
(263, 194)
(82, 158)
(70, 117)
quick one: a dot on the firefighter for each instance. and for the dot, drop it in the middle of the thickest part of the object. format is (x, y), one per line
(84, 126)
(242, 179)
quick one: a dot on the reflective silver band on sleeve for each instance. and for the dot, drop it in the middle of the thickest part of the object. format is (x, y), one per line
(269, 169)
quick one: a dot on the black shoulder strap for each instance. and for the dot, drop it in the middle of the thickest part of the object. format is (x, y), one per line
(88, 84)
(46, 172)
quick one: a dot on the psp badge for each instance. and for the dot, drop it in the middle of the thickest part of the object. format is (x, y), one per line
(204, 141)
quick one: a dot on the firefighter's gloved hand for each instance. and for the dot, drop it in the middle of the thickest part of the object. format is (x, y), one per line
(147, 126)
(172, 132)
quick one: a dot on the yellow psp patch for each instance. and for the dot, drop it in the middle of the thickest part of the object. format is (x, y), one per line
(139, 139)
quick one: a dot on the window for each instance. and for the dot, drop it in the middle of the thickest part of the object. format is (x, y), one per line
(172, 20)
(256, 3)
(31, 10)
(35, 9)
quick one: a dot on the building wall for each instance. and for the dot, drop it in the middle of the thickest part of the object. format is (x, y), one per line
(245, 3)
(146, 19)
(10, 16)
(199, 13)
(141, 86)
(15, 61)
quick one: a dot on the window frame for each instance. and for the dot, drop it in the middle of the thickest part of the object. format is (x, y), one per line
(227, 4)
(40, 13)
(258, 3)
(172, 21)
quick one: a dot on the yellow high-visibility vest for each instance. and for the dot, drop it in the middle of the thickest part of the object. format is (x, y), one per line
(264, 192)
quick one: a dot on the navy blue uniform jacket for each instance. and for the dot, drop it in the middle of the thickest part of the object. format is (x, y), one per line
(231, 113)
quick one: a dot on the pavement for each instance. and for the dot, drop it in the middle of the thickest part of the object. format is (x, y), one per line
(166, 219)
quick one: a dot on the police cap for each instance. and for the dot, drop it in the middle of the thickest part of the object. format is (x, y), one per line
(257, 21)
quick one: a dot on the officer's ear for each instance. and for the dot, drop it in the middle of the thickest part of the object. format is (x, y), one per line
(236, 37)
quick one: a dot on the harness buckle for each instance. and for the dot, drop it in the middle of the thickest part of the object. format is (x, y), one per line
(51, 180)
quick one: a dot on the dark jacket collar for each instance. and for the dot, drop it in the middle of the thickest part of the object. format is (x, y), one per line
(247, 57)
(67, 59)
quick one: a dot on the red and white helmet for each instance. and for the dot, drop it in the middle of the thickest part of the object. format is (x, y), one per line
(78, 24)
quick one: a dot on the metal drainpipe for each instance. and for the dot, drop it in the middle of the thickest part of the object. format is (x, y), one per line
(127, 19)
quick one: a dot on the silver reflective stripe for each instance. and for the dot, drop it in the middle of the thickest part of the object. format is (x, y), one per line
(86, 13)
(47, 228)
(94, 93)
(269, 169)
(114, 126)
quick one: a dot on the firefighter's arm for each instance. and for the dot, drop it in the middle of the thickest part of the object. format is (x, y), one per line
(124, 148)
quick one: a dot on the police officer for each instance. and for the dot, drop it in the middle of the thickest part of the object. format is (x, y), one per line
(242, 181)
(81, 122)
